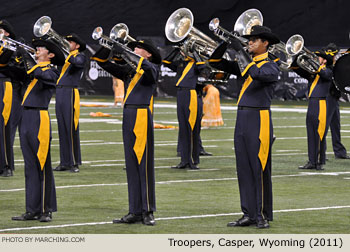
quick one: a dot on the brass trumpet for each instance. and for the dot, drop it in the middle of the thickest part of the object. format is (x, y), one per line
(12, 44)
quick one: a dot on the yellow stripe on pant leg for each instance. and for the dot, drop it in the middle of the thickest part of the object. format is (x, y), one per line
(264, 137)
(76, 108)
(193, 109)
(43, 137)
(7, 101)
(140, 131)
(322, 118)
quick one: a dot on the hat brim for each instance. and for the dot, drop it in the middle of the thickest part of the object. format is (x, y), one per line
(271, 37)
(52, 47)
(156, 58)
(78, 41)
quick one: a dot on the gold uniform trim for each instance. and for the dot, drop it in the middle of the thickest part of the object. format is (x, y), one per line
(43, 137)
(313, 85)
(137, 77)
(7, 100)
(322, 116)
(151, 105)
(98, 59)
(29, 88)
(264, 137)
(76, 108)
(140, 131)
(186, 70)
(193, 108)
(67, 64)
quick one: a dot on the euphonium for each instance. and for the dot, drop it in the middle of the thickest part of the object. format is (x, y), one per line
(179, 28)
(42, 27)
(121, 31)
(294, 46)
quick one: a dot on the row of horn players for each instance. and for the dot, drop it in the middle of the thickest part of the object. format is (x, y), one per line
(180, 30)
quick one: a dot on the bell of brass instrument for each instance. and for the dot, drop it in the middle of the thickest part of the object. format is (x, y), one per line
(179, 28)
(12, 44)
(121, 31)
(294, 46)
(42, 27)
(279, 51)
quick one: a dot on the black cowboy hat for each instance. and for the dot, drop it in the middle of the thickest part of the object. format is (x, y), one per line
(74, 37)
(7, 27)
(149, 47)
(322, 53)
(331, 49)
(53, 48)
(264, 33)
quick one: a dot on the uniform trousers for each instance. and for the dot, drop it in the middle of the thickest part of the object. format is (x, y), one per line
(39, 179)
(139, 158)
(333, 118)
(316, 121)
(189, 125)
(69, 138)
(254, 178)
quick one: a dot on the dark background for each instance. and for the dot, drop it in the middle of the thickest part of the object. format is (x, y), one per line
(318, 21)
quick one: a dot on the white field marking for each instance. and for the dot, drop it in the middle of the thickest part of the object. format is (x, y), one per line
(300, 174)
(171, 218)
(286, 150)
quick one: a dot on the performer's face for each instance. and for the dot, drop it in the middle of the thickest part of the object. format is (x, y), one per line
(73, 46)
(142, 52)
(256, 46)
(42, 54)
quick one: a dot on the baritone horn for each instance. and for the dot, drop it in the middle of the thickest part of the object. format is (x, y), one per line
(179, 28)
(294, 46)
(42, 27)
(12, 44)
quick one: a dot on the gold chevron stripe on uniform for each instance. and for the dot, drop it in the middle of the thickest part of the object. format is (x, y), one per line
(140, 131)
(66, 64)
(76, 108)
(29, 88)
(322, 118)
(43, 137)
(193, 108)
(187, 68)
(264, 137)
(151, 105)
(313, 85)
(7, 101)
(137, 77)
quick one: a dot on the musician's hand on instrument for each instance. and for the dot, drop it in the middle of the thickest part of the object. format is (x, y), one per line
(117, 49)
(235, 44)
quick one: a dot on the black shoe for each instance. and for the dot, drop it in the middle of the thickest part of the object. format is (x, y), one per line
(242, 222)
(181, 166)
(308, 166)
(46, 217)
(74, 169)
(148, 219)
(7, 173)
(194, 167)
(129, 219)
(62, 168)
(319, 167)
(204, 153)
(342, 157)
(27, 216)
(262, 224)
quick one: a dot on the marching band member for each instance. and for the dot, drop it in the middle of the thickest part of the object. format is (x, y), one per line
(188, 113)
(6, 90)
(316, 117)
(35, 131)
(253, 130)
(68, 105)
(140, 74)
